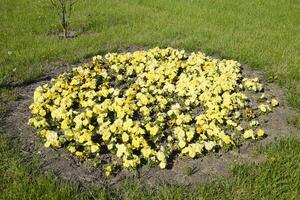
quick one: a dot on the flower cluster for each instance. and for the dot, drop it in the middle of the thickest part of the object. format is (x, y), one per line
(144, 106)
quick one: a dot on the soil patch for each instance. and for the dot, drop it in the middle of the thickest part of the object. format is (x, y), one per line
(184, 170)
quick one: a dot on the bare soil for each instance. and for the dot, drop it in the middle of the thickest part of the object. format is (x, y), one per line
(202, 169)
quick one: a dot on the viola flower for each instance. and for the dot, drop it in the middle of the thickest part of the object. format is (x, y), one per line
(249, 134)
(260, 133)
(274, 102)
(143, 106)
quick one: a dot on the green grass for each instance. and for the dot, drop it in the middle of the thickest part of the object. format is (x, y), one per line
(263, 34)
(23, 181)
(276, 178)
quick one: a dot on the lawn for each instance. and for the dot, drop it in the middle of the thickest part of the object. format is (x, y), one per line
(263, 34)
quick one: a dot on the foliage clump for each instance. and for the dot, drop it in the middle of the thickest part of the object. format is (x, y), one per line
(146, 105)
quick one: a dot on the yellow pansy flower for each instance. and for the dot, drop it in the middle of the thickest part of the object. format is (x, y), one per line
(163, 97)
(274, 102)
(260, 133)
(249, 134)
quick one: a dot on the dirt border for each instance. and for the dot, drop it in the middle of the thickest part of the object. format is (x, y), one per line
(205, 168)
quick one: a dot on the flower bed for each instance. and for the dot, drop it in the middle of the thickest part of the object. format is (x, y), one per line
(144, 106)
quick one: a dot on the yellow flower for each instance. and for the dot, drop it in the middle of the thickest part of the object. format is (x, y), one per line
(260, 133)
(72, 149)
(85, 122)
(274, 102)
(108, 170)
(162, 165)
(209, 145)
(146, 152)
(239, 128)
(160, 118)
(125, 137)
(79, 154)
(144, 100)
(192, 153)
(106, 135)
(226, 139)
(121, 150)
(199, 129)
(153, 130)
(94, 148)
(89, 114)
(254, 123)
(119, 77)
(65, 124)
(42, 112)
(145, 111)
(249, 134)
(190, 135)
(181, 143)
(161, 156)
(264, 108)
(147, 105)
(128, 124)
(135, 142)
(110, 146)
(52, 139)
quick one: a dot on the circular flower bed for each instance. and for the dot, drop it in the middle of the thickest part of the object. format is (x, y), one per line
(144, 106)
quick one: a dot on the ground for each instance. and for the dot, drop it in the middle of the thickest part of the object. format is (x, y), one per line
(263, 35)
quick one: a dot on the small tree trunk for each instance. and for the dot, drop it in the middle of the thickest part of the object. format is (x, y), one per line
(64, 9)
(64, 21)
(65, 32)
